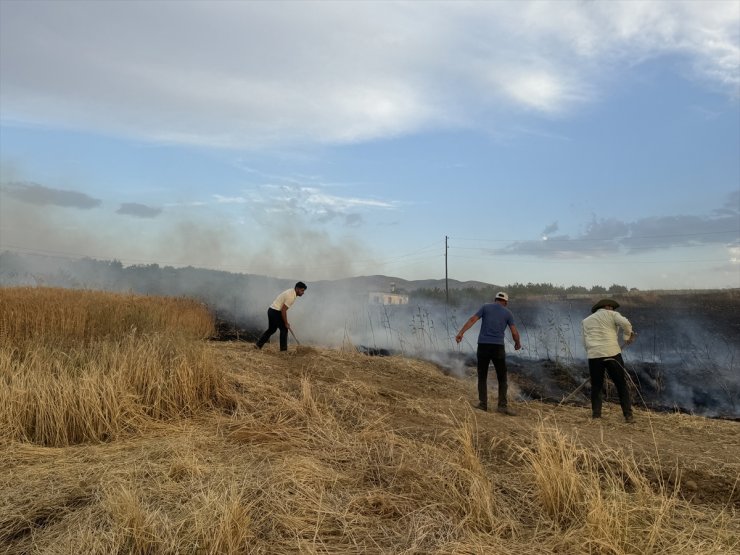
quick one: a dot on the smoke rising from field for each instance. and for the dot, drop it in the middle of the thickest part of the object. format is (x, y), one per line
(685, 357)
(678, 361)
(70, 223)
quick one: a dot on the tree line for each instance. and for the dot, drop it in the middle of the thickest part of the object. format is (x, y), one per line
(516, 290)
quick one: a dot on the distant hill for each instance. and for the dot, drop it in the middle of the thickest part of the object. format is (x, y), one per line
(33, 269)
(18, 269)
(385, 283)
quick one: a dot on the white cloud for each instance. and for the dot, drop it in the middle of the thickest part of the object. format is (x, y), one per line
(315, 203)
(249, 74)
(538, 89)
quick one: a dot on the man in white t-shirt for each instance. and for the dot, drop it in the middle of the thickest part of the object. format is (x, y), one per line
(601, 338)
(277, 315)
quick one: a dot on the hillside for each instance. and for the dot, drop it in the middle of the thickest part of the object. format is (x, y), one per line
(325, 451)
(383, 283)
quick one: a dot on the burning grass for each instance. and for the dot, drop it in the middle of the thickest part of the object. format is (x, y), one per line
(219, 448)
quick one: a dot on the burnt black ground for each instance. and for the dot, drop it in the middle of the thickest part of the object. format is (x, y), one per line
(686, 357)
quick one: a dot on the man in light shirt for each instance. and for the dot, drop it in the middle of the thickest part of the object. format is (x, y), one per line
(601, 338)
(277, 315)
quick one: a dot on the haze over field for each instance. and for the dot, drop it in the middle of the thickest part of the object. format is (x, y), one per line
(566, 142)
(685, 357)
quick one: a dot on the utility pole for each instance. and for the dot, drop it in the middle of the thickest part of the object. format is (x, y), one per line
(447, 287)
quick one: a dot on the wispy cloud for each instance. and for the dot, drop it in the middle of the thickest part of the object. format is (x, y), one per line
(315, 203)
(33, 193)
(138, 210)
(396, 67)
(608, 236)
(549, 230)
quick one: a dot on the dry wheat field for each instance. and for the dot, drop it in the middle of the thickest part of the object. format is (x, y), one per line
(124, 430)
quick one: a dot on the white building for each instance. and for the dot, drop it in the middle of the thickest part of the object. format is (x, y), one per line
(377, 297)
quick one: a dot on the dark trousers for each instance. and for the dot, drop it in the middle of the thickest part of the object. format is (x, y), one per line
(488, 353)
(614, 366)
(274, 322)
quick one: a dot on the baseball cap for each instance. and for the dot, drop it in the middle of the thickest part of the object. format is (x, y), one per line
(503, 296)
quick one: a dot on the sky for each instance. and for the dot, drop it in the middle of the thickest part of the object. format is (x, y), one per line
(574, 143)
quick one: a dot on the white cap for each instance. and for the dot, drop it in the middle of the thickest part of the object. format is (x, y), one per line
(503, 296)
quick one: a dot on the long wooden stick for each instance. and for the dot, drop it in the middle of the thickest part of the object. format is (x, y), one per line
(294, 337)
(576, 390)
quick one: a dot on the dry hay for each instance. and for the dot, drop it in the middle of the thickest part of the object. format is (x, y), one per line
(324, 451)
(304, 350)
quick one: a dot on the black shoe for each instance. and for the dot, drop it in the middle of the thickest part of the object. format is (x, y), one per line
(481, 406)
(629, 419)
(595, 416)
(506, 410)
(258, 346)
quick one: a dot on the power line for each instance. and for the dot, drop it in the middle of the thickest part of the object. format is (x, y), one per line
(590, 249)
(631, 237)
(593, 261)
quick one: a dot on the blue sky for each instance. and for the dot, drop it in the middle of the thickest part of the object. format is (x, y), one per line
(576, 143)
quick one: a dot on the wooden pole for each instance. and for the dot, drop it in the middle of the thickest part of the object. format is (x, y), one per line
(447, 287)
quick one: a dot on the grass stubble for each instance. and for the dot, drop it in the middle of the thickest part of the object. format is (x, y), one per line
(123, 431)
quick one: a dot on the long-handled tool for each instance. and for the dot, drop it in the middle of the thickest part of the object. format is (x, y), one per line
(576, 390)
(294, 337)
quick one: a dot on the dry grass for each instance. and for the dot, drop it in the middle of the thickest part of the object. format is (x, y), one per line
(63, 316)
(162, 444)
(97, 391)
(602, 500)
(85, 366)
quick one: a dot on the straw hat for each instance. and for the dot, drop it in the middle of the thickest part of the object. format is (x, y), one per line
(604, 302)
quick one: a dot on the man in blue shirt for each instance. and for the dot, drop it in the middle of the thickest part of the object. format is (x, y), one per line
(496, 317)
